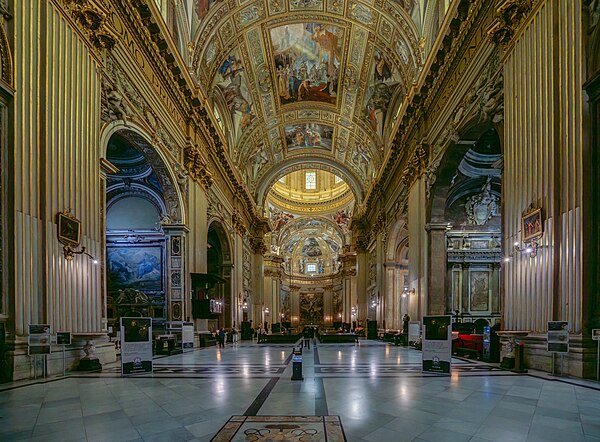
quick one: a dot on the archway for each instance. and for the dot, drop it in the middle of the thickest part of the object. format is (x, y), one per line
(219, 262)
(397, 299)
(136, 243)
(465, 229)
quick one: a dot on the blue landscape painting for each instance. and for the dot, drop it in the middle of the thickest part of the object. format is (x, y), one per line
(134, 267)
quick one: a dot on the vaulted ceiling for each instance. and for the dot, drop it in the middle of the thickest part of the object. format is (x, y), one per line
(298, 84)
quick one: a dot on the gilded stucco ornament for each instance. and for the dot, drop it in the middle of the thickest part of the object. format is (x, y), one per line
(510, 15)
(92, 15)
(196, 167)
(431, 175)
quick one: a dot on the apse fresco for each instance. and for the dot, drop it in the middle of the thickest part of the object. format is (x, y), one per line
(310, 135)
(311, 248)
(307, 61)
(383, 84)
(232, 84)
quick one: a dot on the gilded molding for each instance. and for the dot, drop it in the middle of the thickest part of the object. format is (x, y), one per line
(92, 16)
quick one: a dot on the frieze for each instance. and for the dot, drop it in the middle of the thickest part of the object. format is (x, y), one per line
(466, 256)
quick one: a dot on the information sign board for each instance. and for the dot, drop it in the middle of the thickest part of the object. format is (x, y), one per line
(437, 344)
(596, 334)
(558, 336)
(187, 336)
(63, 338)
(136, 345)
(414, 331)
(39, 339)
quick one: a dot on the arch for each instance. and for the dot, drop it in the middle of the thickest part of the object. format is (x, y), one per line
(450, 160)
(139, 138)
(397, 234)
(217, 226)
(219, 262)
(307, 162)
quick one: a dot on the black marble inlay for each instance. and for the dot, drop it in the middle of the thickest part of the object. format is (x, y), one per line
(320, 398)
(261, 398)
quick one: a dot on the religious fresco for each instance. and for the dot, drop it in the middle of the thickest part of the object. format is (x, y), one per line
(279, 218)
(384, 81)
(196, 11)
(309, 135)
(231, 83)
(307, 61)
(311, 248)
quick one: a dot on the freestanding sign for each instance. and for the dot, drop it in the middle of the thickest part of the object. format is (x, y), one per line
(136, 345)
(437, 344)
(64, 339)
(39, 339)
(187, 336)
(414, 331)
(558, 336)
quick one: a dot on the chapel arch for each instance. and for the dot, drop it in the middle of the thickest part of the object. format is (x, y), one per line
(465, 227)
(219, 262)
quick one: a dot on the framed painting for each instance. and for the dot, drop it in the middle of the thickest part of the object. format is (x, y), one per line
(531, 227)
(69, 229)
(479, 290)
(137, 267)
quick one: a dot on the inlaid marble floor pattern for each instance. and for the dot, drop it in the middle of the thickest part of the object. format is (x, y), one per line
(377, 389)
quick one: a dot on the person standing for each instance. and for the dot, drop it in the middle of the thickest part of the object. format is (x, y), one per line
(222, 337)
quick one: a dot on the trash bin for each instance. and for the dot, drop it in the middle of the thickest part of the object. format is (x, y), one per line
(297, 365)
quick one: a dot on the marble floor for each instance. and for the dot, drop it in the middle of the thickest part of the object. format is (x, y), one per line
(376, 389)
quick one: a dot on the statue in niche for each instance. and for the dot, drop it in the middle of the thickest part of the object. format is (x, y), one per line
(321, 266)
(481, 208)
(301, 265)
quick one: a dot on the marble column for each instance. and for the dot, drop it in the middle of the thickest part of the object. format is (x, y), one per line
(175, 266)
(436, 272)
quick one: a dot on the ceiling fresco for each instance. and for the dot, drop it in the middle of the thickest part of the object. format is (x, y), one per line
(307, 59)
(315, 79)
